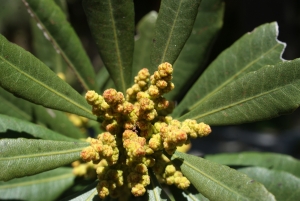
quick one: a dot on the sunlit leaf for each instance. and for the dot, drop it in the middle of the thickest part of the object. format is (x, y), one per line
(189, 194)
(112, 26)
(27, 77)
(284, 186)
(55, 27)
(24, 157)
(259, 95)
(44, 186)
(88, 194)
(154, 190)
(251, 52)
(219, 182)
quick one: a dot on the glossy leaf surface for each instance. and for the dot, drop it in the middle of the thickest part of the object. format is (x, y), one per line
(195, 52)
(219, 182)
(143, 43)
(55, 27)
(35, 156)
(18, 125)
(44, 186)
(251, 52)
(284, 186)
(259, 95)
(112, 26)
(173, 27)
(27, 77)
(155, 191)
(268, 160)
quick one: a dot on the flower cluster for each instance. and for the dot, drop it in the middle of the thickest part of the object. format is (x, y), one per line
(139, 135)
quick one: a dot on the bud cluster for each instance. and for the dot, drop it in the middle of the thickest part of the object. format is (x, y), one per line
(138, 135)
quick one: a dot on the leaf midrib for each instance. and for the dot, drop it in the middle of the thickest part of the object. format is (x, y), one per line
(51, 153)
(207, 176)
(12, 106)
(45, 86)
(236, 103)
(37, 181)
(233, 77)
(117, 47)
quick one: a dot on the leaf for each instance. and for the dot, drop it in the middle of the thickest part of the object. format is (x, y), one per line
(197, 48)
(259, 95)
(173, 27)
(190, 194)
(88, 194)
(25, 76)
(18, 125)
(219, 182)
(44, 186)
(101, 78)
(154, 190)
(55, 27)
(284, 186)
(24, 157)
(143, 43)
(268, 160)
(251, 52)
(52, 119)
(112, 26)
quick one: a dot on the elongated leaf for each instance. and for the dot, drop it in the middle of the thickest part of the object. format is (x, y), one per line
(285, 186)
(155, 191)
(190, 194)
(101, 78)
(55, 27)
(196, 49)
(112, 26)
(25, 76)
(143, 43)
(251, 52)
(173, 27)
(18, 125)
(24, 157)
(88, 194)
(263, 94)
(267, 160)
(44, 186)
(219, 182)
(52, 119)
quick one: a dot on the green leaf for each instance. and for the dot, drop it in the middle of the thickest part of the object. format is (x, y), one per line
(251, 52)
(259, 95)
(18, 125)
(143, 43)
(173, 27)
(55, 27)
(284, 186)
(189, 194)
(52, 119)
(27, 77)
(196, 49)
(112, 26)
(24, 157)
(88, 194)
(267, 160)
(219, 182)
(154, 190)
(44, 186)
(101, 78)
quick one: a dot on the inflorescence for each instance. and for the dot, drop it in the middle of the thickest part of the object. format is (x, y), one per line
(139, 135)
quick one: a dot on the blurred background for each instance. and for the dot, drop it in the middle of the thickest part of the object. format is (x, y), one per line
(281, 135)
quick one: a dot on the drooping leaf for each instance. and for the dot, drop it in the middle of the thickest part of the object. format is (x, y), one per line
(154, 190)
(27, 77)
(24, 157)
(189, 194)
(219, 182)
(112, 26)
(44, 186)
(18, 125)
(173, 27)
(143, 43)
(268, 160)
(195, 52)
(284, 186)
(55, 27)
(259, 95)
(251, 52)
(52, 119)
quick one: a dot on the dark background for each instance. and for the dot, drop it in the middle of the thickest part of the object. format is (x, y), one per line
(280, 135)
